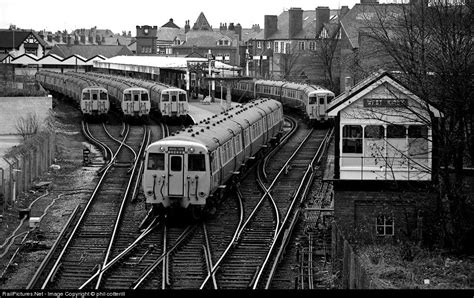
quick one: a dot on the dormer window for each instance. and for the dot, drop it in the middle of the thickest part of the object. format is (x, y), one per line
(224, 42)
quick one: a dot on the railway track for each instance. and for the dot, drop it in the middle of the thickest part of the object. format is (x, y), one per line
(86, 246)
(248, 261)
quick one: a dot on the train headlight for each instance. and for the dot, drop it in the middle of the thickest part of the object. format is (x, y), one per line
(191, 150)
(162, 149)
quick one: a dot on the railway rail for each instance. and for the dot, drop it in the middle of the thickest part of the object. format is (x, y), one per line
(87, 245)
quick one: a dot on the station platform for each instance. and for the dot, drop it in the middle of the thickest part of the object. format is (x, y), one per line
(202, 108)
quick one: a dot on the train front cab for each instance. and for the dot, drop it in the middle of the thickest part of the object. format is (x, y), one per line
(173, 103)
(176, 174)
(136, 102)
(94, 101)
(318, 102)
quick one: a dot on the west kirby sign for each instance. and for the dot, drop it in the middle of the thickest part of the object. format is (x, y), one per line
(385, 102)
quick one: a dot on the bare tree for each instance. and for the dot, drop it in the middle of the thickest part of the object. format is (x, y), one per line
(325, 52)
(431, 47)
(28, 126)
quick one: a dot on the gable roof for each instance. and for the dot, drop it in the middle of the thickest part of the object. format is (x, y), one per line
(170, 24)
(377, 78)
(89, 51)
(15, 38)
(168, 33)
(202, 23)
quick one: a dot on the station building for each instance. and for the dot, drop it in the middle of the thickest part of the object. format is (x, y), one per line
(384, 158)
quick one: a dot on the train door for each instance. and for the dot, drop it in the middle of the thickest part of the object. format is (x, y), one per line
(175, 175)
(312, 106)
(95, 100)
(174, 103)
(321, 105)
(136, 101)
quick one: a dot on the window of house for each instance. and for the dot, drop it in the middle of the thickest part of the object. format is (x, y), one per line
(312, 45)
(396, 131)
(276, 47)
(301, 45)
(259, 44)
(352, 139)
(287, 48)
(384, 226)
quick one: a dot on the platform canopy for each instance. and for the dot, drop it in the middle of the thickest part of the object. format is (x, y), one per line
(152, 64)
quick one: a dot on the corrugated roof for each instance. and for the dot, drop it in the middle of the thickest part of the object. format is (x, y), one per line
(89, 51)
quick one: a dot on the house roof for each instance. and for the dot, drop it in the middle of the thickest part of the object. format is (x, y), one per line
(202, 23)
(344, 99)
(9, 38)
(309, 25)
(89, 51)
(168, 33)
(362, 16)
(170, 24)
(205, 38)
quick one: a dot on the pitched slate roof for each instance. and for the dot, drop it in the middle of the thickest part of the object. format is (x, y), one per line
(89, 51)
(206, 38)
(168, 33)
(364, 15)
(202, 23)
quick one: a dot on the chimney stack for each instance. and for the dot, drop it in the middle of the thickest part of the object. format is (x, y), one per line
(295, 21)
(271, 25)
(322, 16)
(187, 27)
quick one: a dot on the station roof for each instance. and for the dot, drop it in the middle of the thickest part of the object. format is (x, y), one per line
(152, 64)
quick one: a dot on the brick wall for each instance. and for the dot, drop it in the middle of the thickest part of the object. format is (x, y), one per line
(355, 212)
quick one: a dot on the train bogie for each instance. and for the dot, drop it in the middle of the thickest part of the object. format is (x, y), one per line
(193, 166)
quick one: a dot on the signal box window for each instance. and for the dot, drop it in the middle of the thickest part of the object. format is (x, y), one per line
(156, 161)
(384, 226)
(352, 139)
(176, 163)
(196, 162)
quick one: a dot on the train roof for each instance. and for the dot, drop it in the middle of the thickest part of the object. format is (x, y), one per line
(218, 129)
(299, 86)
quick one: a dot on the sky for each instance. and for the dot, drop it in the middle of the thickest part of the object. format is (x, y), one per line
(54, 15)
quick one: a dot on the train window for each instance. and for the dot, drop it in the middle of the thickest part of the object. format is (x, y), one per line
(94, 96)
(135, 97)
(352, 139)
(165, 97)
(103, 95)
(182, 97)
(156, 161)
(196, 162)
(321, 100)
(127, 97)
(330, 98)
(173, 98)
(86, 95)
(144, 97)
(175, 163)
